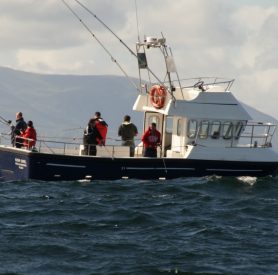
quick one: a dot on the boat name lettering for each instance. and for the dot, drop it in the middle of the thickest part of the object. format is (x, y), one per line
(21, 163)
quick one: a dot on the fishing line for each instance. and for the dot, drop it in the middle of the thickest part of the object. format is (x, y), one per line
(163, 160)
(101, 44)
(121, 41)
(164, 165)
(107, 27)
(4, 121)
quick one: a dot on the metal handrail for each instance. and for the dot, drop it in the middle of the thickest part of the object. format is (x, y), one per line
(249, 137)
(206, 81)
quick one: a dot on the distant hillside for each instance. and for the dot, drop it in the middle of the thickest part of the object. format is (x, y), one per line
(57, 103)
(61, 105)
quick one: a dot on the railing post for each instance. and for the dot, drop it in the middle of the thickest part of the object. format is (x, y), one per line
(252, 134)
(267, 135)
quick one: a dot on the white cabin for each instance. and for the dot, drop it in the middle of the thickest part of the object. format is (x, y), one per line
(199, 118)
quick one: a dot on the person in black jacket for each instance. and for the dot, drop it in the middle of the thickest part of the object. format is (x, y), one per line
(127, 131)
(90, 137)
(16, 130)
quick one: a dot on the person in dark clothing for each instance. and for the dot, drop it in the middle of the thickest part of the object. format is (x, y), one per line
(102, 127)
(151, 139)
(91, 134)
(16, 130)
(128, 131)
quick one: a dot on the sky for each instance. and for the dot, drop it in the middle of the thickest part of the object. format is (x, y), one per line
(233, 39)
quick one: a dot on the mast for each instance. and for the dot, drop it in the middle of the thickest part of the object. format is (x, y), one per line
(137, 55)
(158, 43)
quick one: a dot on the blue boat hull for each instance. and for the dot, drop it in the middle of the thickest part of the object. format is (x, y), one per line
(23, 165)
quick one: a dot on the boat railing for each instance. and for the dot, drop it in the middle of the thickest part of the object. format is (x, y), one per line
(257, 134)
(67, 146)
(253, 134)
(57, 147)
(204, 83)
(78, 149)
(74, 148)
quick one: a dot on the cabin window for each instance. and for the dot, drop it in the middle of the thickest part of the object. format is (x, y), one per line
(192, 128)
(227, 130)
(238, 129)
(203, 131)
(179, 127)
(169, 125)
(215, 129)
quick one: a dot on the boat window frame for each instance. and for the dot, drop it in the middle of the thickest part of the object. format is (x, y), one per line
(228, 134)
(238, 129)
(203, 133)
(169, 125)
(215, 133)
(179, 127)
(191, 132)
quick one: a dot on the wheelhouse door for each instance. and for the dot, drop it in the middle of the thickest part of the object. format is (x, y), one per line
(157, 118)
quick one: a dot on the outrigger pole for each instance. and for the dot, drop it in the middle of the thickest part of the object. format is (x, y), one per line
(102, 45)
(107, 27)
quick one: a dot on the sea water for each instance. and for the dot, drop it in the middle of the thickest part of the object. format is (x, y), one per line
(182, 226)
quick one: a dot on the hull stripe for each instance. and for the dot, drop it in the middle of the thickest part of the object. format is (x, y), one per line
(158, 168)
(236, 170)
(65, 165)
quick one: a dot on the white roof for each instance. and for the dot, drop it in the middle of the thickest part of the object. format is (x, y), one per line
(210, 105)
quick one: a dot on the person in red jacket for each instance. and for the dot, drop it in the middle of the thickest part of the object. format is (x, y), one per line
(102, 127)
(29, 135)
(151, 139)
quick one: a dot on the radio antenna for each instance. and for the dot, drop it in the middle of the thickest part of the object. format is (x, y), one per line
(137, 22)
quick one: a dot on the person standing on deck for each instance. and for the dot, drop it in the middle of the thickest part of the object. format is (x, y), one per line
(128, 131)
(16, 130)
(90, 137)
(151, 139)
(102, 127)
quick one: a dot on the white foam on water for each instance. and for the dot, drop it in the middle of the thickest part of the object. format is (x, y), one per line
(247, 179)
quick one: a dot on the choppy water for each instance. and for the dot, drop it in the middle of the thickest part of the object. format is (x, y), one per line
(183, 226)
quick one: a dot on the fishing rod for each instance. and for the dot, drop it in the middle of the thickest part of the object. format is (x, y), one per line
(107, 27)
(5, 122)
(100, 43)
(113, 33)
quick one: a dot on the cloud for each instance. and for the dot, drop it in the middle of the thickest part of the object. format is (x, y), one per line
(260, 25)
(216, 37)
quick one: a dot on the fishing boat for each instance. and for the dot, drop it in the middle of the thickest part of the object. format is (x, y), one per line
(205, 131)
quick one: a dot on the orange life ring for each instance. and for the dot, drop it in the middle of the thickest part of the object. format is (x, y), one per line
(158, 96)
